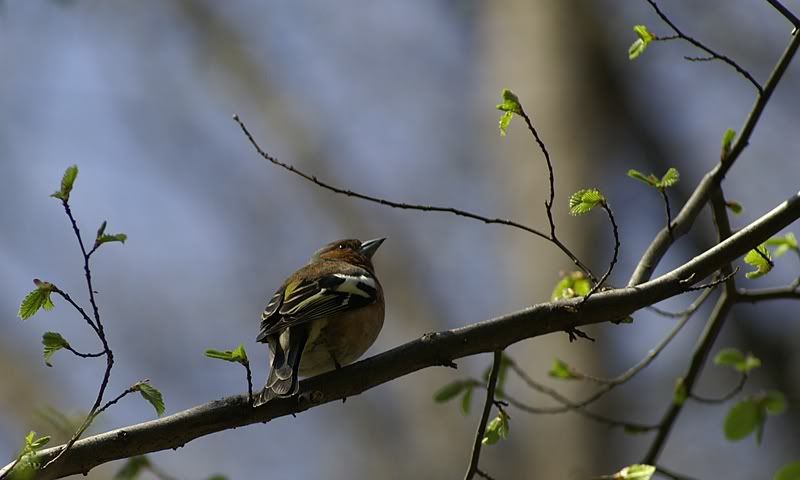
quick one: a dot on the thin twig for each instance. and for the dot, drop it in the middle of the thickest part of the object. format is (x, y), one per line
(714, 283)
(116, 399)
(655, 351)
(77, 307)
(709, 335)
(550, 173)
(601, 419)
(98, 328)
(409, 206)
(665, 313)
(86, 270)
(483, 474)
(724, 398)
(487, 408)
(712, 53)
(760, 295)
(84, 355)
(689, 310)
(602, 280)
(246, 364)
(701, 351)
(548, 204)
(610, 383)
(666, 207)
(699, 59)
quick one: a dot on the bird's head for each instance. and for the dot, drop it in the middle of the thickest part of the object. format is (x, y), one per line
(350, 250)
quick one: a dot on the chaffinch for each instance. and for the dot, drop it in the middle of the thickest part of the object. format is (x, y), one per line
(325, 315)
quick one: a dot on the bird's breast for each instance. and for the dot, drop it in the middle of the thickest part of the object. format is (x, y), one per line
(344, 337)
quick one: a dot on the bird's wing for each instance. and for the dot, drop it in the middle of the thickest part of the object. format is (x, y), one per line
(307, 299)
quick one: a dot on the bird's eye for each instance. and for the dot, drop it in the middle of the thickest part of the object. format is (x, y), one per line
(341, 246)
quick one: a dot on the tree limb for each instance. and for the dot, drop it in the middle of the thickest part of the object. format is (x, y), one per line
(430, 350)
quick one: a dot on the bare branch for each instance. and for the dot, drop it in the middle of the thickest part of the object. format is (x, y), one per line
(487, 408)
(665, 197)
(83, 355)
(715, 282)
(786, 13)
(601, 419)
(715, 322)
(791, 292)
(615, 230)
(608, 384)
(724, 398)
(97, 326)
(410, 206)
(712, 54)
(77, 307)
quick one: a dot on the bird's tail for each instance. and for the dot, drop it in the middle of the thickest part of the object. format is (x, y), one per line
(282, 381)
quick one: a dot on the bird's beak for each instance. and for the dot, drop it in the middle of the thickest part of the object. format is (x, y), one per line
(369, 247)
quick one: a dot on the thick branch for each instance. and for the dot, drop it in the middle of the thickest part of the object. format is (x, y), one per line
(434, 349)
(786, 13)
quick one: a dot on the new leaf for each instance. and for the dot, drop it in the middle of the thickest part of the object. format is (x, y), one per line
(509, 107)
(496, 430)
(734, 358)
(574, 284)
(561, 370)
(783, 244)
(760, 259)
(52, 342)
(238, 355)
(585, 200)
(152, 395)
(67, 182)
(790, 471)
(635, 472)
(38, 298)
(640, 45)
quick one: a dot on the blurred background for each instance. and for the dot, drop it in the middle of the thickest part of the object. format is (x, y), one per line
(394, 99)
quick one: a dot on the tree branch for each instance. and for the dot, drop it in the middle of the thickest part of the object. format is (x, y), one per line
(430, 350)
(425, 208)
(487, 408)
(724, 398)
(686, 217)
(608, 384)
(791, 292)
(712, 55)
(715, 322)
(786, 13)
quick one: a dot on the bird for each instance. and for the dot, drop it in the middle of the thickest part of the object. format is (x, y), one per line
(325, 315)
